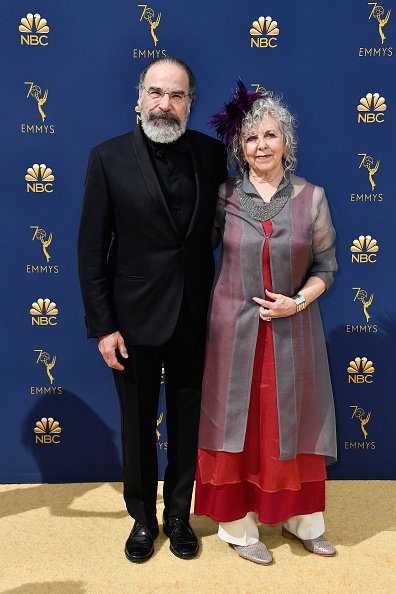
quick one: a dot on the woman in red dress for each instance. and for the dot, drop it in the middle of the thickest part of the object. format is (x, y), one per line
(267, 420)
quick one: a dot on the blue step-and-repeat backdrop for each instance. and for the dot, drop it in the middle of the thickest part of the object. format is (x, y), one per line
(69, 72)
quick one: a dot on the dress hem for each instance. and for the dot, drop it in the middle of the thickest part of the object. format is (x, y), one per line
(228, 503)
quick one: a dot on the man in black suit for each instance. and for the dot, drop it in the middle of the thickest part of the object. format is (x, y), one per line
(146, 269)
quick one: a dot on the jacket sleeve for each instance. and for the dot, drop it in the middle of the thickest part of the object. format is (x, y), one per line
(94, 241)
(223, 161)
(323, 237)
(218, 225)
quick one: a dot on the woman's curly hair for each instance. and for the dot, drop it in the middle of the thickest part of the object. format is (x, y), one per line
(261, 108)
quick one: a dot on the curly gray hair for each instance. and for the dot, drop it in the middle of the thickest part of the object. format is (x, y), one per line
(273, 107)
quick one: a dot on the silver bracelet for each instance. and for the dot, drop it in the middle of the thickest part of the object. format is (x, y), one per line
(300, 302)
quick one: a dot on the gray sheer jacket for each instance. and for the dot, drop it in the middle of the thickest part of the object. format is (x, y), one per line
(301, 245)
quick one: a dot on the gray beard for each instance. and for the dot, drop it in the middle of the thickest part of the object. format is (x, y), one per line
(165, 131)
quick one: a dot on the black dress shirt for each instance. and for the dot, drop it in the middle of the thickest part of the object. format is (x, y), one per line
(174, 167)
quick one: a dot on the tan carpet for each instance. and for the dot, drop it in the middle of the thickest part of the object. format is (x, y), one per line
(69, 539)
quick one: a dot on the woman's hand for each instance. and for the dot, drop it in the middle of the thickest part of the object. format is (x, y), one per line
(280, 306)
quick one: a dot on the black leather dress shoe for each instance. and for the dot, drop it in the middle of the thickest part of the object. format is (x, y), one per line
(140, 544)
(183, 542)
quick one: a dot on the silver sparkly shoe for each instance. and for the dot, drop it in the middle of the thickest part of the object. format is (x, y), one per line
(257, 552)
(319, 545)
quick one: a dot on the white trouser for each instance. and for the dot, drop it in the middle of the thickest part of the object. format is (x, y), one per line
(245, 531)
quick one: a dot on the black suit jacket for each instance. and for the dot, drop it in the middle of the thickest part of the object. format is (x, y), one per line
(134, 265)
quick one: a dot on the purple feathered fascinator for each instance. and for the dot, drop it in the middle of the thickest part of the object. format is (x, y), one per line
(228, 121)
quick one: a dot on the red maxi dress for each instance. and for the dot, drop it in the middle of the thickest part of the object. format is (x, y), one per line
(229, 485)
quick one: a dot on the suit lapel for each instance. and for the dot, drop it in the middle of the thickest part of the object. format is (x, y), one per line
(150, 176)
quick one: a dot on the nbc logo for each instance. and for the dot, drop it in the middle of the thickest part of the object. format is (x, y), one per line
(47, 431)
(33, 29)
(371, 109)
(137, 111)
(39, 179)
(364, 249)
(44, 312)
(264, 33)
(360, 371)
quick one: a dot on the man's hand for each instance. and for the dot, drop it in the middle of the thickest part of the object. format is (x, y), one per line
(108, 345)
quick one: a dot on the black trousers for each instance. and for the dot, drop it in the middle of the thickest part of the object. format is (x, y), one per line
(138, 390)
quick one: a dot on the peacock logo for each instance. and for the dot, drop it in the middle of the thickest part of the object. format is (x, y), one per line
(39, 178)
(360, 371)
(138, 112)
(364, 249)
(33, 29)
(264, 33)
(372, 102)
(47, 431)
(371, 109)
(44, 312)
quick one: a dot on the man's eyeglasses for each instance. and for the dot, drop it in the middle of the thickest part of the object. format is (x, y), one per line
(174, 96)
